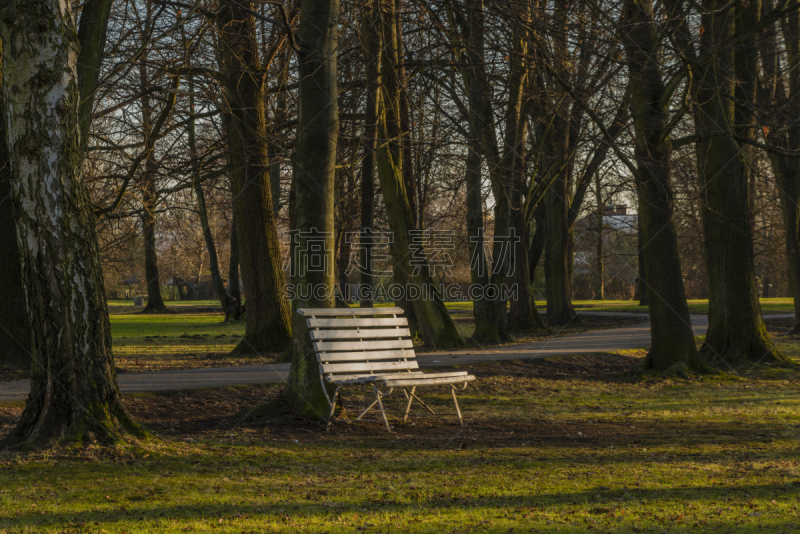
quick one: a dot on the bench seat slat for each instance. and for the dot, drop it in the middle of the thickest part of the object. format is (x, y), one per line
(359, 333)
(328, 312)
(353, 322)
(329, 346)
(428, 381)
(366, 368)
(325, 357)
(388, 376)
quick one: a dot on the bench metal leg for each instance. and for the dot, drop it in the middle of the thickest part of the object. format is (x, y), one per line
(410, 396)
(455, 401)
(380, 404)
(333, 407)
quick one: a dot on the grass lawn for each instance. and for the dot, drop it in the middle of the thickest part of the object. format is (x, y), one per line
(782, 305)
(560, 445)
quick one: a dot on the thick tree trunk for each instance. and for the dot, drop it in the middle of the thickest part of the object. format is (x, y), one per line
(14, 330)
(314, 182)
(672, 349)
(736, 331)
(74, 392)
(268, 327)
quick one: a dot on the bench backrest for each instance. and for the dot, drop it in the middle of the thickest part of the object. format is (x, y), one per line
(358, 342)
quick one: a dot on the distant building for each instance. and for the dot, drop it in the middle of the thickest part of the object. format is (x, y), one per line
(620, 262)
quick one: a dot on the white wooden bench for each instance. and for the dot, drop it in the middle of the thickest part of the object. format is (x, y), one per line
(372, 347)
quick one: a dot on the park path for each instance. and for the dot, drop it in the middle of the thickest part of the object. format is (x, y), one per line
(629, 337)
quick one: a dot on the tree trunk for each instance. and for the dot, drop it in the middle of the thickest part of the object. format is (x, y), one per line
(482, 309)
(672, 349)
(785, 134)
(280, 118)
(229, 307)
(736, 331)
(92, 38)
(74, 393)
(15, 332)
(435, 325)
(234, 289)
(558, 253)
(598, 251)
(371, 45)
(522, 314)
(641, 281)
(314, 182)
(268, 327)
(155, 302)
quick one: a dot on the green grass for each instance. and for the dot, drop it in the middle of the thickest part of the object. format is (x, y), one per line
(777, 305)
(558, 446)
(174, 341)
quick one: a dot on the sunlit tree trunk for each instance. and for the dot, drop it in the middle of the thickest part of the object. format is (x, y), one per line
(268, 327)
(314, 181)
(74, 392)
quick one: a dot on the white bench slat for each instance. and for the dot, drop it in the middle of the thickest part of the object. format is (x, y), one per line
(327, 312)
(358, 333)
(352, 321)
(328, 346)
(428, 381)
(403, 375)
(366, 368)
(361, 356)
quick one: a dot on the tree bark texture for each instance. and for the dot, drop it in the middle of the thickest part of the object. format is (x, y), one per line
(672, 349)
(314, 182)
(74, 391)
(14, 331)
(736, 331)
(268, 327)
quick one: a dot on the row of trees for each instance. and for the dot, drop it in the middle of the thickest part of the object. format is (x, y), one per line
(305, 113)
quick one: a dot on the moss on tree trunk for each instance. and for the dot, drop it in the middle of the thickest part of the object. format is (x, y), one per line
(74, 393)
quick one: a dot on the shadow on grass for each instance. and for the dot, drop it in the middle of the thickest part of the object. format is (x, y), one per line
(594, 504)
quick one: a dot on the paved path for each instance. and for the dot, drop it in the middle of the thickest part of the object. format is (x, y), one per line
(624, 338)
